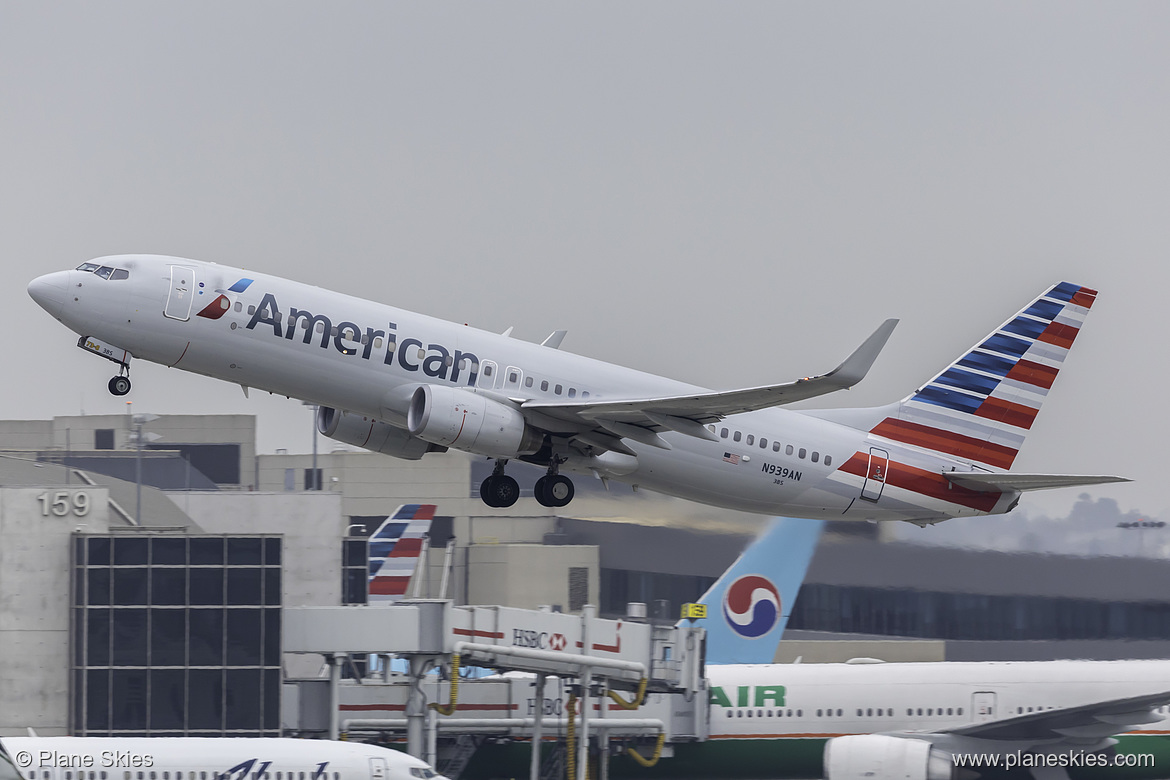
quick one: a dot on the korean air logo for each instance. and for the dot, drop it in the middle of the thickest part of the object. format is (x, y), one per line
(751, 606)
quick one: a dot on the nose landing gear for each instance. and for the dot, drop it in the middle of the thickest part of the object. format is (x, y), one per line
(119, 385)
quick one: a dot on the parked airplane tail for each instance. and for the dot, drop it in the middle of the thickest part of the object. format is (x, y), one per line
(981, 407)
(394, 551)
(748, 607)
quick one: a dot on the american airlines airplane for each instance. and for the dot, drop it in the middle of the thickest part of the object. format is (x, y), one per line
(406, 384)
(201, 758)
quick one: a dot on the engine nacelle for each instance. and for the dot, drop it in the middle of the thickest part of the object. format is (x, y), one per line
(871, 756)
(371, 434)
(471, 422)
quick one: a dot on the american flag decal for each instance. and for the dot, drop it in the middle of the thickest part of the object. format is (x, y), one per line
(394, 551)
(731, 458)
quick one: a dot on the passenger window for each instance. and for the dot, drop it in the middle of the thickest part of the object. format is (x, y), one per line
(949, 711)
(711, 428)
(775, 446)
(377, 342)
(584, 393)
(513, 377)
(544, 386)
(119, 273)
(802, 453)
(251, 310)
(723, 433)
(557, 389)
(320, 326)
(528, 381)
(737, 436)
(870, 712)
(104, 272)
(788, 450)
(572, 392)
(828, 460)
(818, 713)
(751, 439)
(239, 306)
(487, 370)
(816, 456)
(730, 714)
(763, 443)
(960, 711)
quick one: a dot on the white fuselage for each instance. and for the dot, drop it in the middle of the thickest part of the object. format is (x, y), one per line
(367, 358)
(754, 701)
(137, 758)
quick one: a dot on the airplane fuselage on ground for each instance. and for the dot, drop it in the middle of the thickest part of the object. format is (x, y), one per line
(404, 383)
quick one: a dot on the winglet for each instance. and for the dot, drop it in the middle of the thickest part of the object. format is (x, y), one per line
(857, 365)
(554, 339)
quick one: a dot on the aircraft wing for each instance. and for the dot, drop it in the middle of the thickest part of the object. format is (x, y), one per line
(984, 482)
(642, 418)
(1087, 724)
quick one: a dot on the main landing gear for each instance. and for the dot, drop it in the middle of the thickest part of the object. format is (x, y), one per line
(552, 490)
(499, 490)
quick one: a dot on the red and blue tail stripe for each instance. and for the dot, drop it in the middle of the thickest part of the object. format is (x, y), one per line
(394, 550)
(981, 407)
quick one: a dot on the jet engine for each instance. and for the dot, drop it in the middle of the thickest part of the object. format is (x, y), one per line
(371, 434)
(876, 756)
(471, 422)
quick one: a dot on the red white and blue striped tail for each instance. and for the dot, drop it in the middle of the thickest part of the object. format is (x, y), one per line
(981, 407)
(394, 551)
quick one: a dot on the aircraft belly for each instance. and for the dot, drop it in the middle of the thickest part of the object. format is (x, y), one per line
(708, 477)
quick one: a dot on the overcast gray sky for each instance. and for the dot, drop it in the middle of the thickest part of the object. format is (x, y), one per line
(729, 194)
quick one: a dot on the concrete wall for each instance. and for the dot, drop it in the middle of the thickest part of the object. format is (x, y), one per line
(36, 529)
(77, 434)
(312, 526)
(527, 575)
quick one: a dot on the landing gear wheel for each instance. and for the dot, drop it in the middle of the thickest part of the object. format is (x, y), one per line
(499, 490)
(554, 490)
(119, 385)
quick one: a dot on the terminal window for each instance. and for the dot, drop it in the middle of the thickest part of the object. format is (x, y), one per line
(176, 635)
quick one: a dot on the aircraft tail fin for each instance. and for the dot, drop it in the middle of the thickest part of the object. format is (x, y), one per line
(981, 406)
(748, 607)
(394, 551)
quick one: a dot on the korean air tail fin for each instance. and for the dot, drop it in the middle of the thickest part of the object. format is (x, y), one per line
(748, 607)
(394, 551)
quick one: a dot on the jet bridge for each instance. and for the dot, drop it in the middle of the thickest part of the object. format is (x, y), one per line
(623, 678)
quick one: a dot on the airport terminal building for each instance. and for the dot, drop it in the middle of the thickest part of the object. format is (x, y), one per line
(153, 606)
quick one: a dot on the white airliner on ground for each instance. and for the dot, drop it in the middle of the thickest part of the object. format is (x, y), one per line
(405, 384)
(207, 758)
(1050, 720)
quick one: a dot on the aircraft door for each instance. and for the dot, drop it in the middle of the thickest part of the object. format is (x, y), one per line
(378, 769)
(487, 374)
(182, 293)
(512, 378)
(983, 706)
(875, 474)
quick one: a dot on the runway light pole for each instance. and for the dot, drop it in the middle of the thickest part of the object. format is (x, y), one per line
(137, 437)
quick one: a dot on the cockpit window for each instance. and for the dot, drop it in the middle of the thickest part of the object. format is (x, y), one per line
(104, 271)
(421, 772)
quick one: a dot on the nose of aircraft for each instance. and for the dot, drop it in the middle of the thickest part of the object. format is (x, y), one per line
(49, 291)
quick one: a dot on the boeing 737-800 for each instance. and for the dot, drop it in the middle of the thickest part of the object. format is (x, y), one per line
(225, 758)
(405, 384)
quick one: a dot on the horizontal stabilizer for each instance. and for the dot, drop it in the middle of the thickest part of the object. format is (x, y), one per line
(983, 482)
